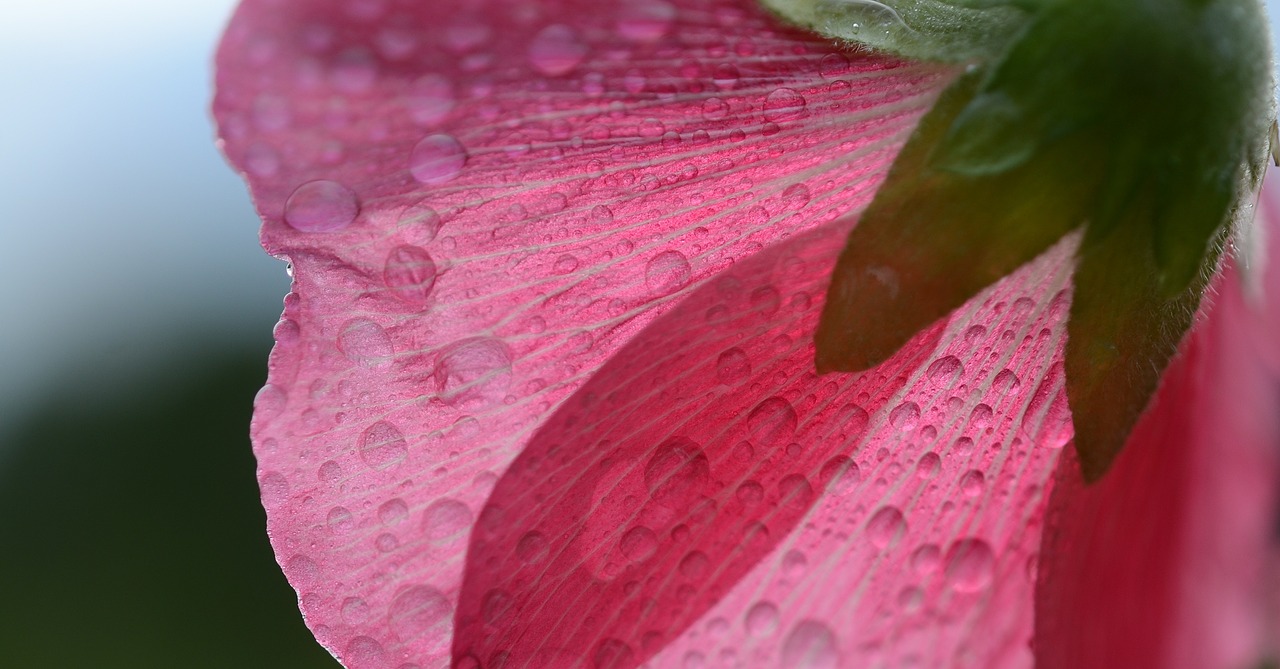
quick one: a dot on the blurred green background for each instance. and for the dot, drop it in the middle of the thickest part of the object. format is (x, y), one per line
(134, 328)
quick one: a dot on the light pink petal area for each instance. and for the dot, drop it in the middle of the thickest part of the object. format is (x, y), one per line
(482, 202)
(706, 500)
(1171, 561)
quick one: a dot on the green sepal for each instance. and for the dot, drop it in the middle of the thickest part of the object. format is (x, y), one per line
(952, 31)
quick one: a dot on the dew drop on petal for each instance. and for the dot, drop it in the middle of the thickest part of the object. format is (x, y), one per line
(639, 544)
(556, 50)
(945, 370)
(429, 99)
(420, 223)
(645, 20)
(365, 342)
(382, 445)
(473, 372)
(418, 611)
(783, 104)
(905, 416)
(925, 559)
(613, 654)
(392, 512)
(676, 472)
(695, 565)
(532, 547)
(321, 206)
(970, 565)
(772, 423)
(761, 619)
(667, 272)
(971, 483)
(445, 520)
(410, 274)
(886, 526)
(365, 653)
(840, 475)
(733, 367)
(809, 645)
(436, 159)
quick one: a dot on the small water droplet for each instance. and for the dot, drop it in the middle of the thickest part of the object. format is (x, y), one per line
(419, 223)
(794, 490)
(810, 645)
(410, 274)
(565, 264)
(393, 512)
(419, 611)
(733, 367)
(321, 206)
(365, 343)
(840, 475)
(473, 372)
(613, 654)
(532, 547)
(436, 159)
(945, 371)
(970, 564)
(694, 566)
(750, 493)
(714, 109)
(340, 520)
(886, 527)
(556, 50)
(905, 416)
(772, 423)
(928, 466)
(676, 472)
(926, 558)
(667, 272)
(364, 653)
(971, 483)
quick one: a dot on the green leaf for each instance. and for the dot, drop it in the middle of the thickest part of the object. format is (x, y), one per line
(937, 30)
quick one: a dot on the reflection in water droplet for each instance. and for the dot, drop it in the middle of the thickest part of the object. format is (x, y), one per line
(321, 206)
(810, 645)
(437, 159)
(667, 272)
(970, 564)
(556, 50)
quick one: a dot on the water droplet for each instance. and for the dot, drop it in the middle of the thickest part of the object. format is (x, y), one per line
(419, 222)
(783, 104)
(928, 466)
(556, 50)
(321, 206)
(354, 610)
(733, 367)
(970, 565)
(269, 402)
(364, 653)
(667, 272)
(694, 566)
(971, 483)
(429, 99)
(810, 645)
(772, 423)
(980, 419)
(437, 159)
(886, 527)
(382, 445)
(392, 512)
(495, 607)
(945, 371)
(762, 619)
(794, 490)
(613, 654)
(905, 416)
(714, 109)
(365, 343)
(645, 20)
(795, 197)
(750, 492)
(473, 372)
(676, 472)
(926, 558)
(275, 489)
(446, 520)
(840, 475)
(340, 520)
(419, 611)
(1005, 381)
(410, 274)
(532, 547)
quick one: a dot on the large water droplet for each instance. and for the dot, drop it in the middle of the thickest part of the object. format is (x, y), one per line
(733, 367)
(365, 343)
(419, 611)
(905, 416)
(532, 547)
(645, 20)
(473, 372)
(436, 159)
(429, 99)
(762, 619)
(556, 50)
(382, 445)
(772, 423)
(321, 206)
(694, 566)
(667, 272)
(945, 370)
(446, 520)
(677, 472)
(639, 544)
(365, 653)
(810, 645)
(970, 564)
(410, 274)
(840, 475)
(419, 223)
(783, 104)
(886, 527)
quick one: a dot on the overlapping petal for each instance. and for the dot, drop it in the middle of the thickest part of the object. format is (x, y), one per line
(482, 202)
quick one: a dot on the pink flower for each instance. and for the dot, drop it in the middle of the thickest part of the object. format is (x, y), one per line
(543, 393)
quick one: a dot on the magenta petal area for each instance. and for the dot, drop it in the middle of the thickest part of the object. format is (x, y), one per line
(706, 499)
(1171, 560)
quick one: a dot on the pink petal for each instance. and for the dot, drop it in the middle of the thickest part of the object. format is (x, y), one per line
(482, 203)
(705, 493)
(1170, 560)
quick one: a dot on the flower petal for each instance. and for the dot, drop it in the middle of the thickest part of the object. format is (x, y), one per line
(1169, 561)
(482, 202)
(707, 491)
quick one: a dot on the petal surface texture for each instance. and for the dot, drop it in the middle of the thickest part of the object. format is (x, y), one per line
(496, 211)
(1170, 560)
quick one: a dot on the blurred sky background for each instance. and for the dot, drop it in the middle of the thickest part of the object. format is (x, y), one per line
(134, 329)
